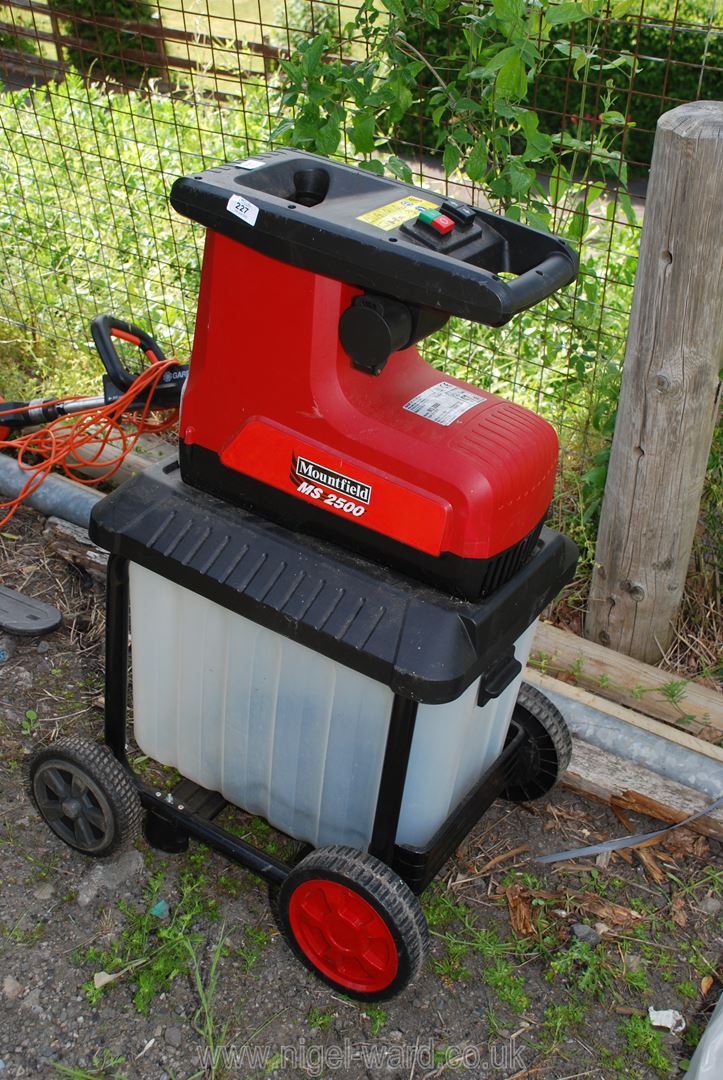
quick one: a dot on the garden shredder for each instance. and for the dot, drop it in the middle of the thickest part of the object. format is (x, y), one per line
(333, 590)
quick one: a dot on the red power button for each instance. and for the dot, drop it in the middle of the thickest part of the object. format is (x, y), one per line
(442, 224)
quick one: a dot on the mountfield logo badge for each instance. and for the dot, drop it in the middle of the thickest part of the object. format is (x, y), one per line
(304, 471)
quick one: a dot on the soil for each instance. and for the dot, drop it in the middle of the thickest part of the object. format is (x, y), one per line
(549, 1001)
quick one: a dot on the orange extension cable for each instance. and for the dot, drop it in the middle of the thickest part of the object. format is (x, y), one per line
(105, 425)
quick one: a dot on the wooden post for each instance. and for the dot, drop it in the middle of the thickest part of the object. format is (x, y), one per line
(669, 394)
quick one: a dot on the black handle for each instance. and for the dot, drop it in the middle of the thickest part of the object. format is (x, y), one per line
(536, 284)
(104, 328)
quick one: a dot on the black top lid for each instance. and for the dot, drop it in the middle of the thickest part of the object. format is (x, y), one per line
(363, 229)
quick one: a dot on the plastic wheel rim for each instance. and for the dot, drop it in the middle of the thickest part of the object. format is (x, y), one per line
(343, 936)
(73, 806)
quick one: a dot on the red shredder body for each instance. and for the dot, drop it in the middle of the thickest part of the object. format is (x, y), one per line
(380, 453)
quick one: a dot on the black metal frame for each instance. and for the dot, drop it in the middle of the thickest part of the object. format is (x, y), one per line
(188, 809)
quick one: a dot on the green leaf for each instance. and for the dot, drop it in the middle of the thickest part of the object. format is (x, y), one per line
(362, 133)
(451, 158)
(622, 7)
(400, 169)
(328, 138)
(538, 220)
(511, 81)
(497, 61)
(559, 14)
(538, 144)
(628, 208)
(595, 478)
(594, 192)
(581, 61)
(559, 184)
(613, 117)
(519, 177)
(311, 58)
(508, 10)
(373, 166)
(577, 226)
(395, 6)
(306, 128)
(476, 167)
(30, 714)
(281, 129)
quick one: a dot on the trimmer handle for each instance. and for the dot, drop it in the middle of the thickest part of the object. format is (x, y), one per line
(106, 327)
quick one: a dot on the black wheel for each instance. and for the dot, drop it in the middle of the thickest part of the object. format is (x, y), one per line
(352, 922)
(85, 796)
(546, 752)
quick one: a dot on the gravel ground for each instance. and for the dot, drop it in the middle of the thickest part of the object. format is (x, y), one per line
(534, 972)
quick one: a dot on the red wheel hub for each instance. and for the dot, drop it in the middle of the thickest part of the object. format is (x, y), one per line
(343, 935)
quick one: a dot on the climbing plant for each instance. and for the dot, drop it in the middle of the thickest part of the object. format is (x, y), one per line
(475, 85)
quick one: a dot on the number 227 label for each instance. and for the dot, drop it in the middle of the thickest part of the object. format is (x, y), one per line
(243, 209)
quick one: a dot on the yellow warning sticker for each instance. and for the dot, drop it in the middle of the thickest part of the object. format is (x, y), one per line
(396, 213)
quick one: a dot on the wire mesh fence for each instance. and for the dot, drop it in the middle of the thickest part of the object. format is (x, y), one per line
(105, 102)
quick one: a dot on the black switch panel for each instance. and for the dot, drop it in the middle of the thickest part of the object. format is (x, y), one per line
(458, 211)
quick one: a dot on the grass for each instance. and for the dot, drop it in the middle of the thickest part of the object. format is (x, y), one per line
(205, 1022)
(377, 1017)
(86, 226)
(255, 941)
(150, 950)
(557, 1023)
(105, 1066)
(646, 1044)
(320, 1018)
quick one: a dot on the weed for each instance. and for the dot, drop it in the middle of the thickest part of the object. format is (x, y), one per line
(674, 691)
(320, 1018)
(585, 967)
(694, 956)
(255, 941)
(646, 1043)
(709, 880)
(495, 1030)
(230, 885)
(693, 1034)
(509, 987)
(204, 1021)
(451, 965)
(104, 1067)
(154, 951)
(687, 989)
(622, 1067)
(20, 936)
(29, 723)
(440, 909)
(377, 1017)
(531, 881)
(637, 979)
(557, 1021)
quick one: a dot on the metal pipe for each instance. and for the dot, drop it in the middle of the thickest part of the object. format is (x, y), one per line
(666, 758)
(55, 497)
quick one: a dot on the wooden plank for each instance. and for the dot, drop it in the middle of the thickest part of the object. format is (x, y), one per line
(602, 776)
(643, 723)
(71, 543)
(629, 682)
(668, 401)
